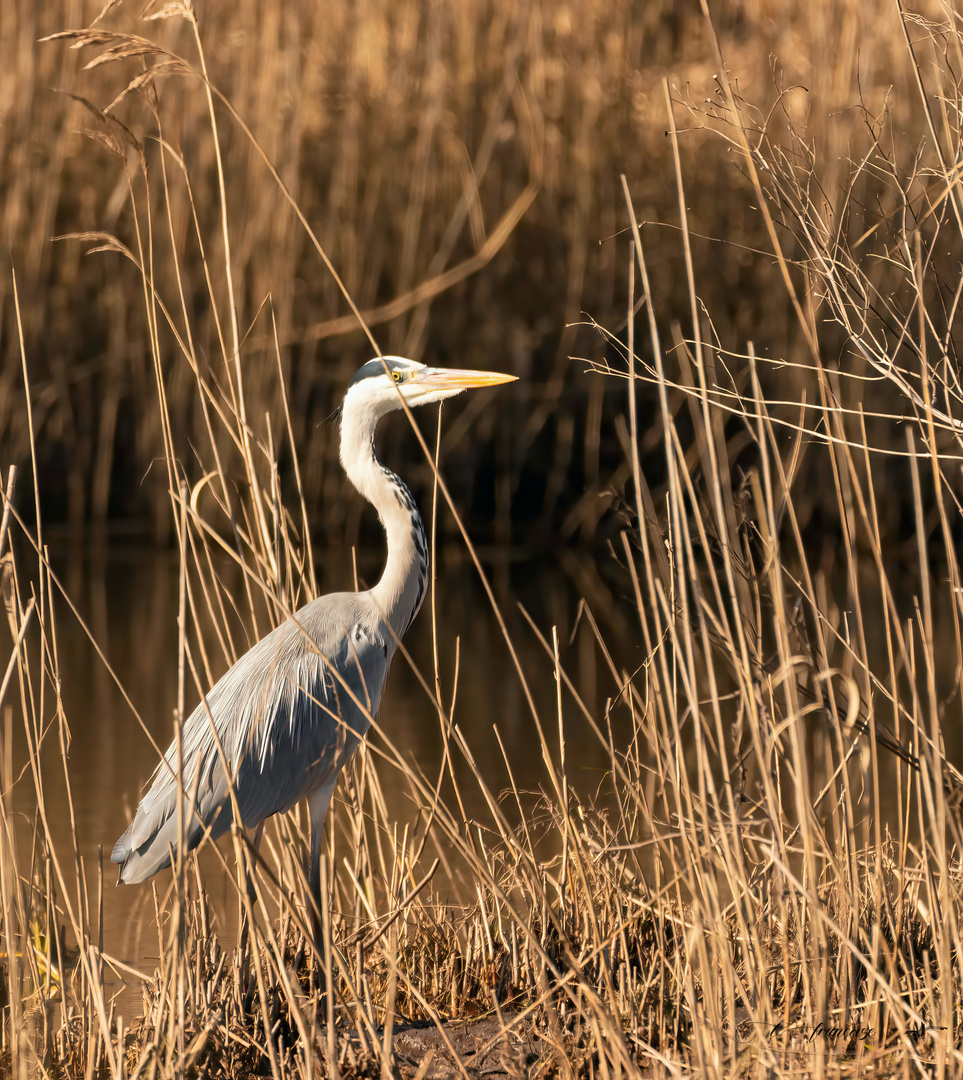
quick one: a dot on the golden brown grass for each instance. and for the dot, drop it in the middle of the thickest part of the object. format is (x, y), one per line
(767, 881)
(406, 136)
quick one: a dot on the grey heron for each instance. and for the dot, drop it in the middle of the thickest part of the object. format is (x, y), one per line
(289, 714)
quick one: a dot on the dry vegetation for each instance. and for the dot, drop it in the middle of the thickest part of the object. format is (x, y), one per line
(767, 880)
(412, 140)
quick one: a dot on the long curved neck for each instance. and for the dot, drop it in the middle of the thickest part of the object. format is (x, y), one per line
(399, 593)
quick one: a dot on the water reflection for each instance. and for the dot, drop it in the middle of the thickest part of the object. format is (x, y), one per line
(129, 599)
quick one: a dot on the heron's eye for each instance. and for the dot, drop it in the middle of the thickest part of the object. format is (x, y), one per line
(398, 376)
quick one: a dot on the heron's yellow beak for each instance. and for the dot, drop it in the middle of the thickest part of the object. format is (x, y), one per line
(452, 379)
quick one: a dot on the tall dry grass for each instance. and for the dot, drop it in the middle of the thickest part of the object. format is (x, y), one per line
(767, 879)
(406, 134)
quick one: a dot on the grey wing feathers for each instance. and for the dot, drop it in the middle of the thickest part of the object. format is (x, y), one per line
(285, 722)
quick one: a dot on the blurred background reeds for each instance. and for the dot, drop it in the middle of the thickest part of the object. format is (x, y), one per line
(460, 165)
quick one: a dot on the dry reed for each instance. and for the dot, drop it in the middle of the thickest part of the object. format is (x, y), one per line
(406, 135)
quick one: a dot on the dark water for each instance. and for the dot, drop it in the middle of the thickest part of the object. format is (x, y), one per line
(129, 599)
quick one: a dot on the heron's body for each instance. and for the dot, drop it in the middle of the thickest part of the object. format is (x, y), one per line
(290, 713)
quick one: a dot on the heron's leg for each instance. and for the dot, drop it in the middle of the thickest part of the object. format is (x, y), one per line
(256, 844)
(318, 803)
(256, 838)
(251, 893)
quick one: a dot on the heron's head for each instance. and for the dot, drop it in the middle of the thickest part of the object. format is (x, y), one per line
(382, 383)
